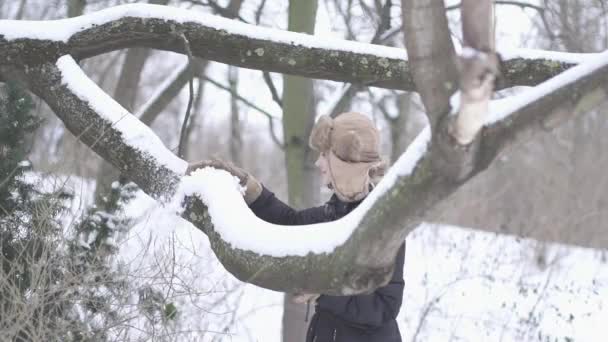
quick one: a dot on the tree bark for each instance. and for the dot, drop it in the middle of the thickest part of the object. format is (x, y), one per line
(431, 54)
(253, 53)
(125, 93)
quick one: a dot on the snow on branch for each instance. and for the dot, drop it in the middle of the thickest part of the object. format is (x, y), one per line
(552, 56)
(500, 109)
(134, 134)
(545, 106)
(236, 43)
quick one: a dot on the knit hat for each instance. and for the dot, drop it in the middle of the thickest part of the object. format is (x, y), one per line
(351, 143)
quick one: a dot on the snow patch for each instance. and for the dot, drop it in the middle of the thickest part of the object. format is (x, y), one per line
(564, 57)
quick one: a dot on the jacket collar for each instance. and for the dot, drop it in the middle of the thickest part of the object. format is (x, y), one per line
(341, 208)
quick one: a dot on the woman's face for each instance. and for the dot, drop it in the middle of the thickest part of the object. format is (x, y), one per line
(323, 164)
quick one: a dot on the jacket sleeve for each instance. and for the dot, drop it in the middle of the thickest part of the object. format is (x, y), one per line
(271, 209)
(372, 310)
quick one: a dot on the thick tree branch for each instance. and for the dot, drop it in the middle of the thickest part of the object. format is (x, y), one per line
(101, 135)
(431, 54)
(229, 42)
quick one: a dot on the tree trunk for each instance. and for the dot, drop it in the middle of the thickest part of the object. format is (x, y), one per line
(401, 135)
(75, 7)
(302, 180)
(236, 139)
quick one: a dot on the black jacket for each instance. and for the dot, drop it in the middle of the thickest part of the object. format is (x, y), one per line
(361, 318)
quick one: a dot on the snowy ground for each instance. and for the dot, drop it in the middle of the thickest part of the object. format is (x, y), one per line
(460, 285)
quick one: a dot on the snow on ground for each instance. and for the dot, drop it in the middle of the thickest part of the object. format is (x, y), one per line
(465, 285)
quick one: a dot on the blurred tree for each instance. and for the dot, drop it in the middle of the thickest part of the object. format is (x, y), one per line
(302, 179)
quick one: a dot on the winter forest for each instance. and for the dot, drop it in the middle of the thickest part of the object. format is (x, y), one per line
(491, 116)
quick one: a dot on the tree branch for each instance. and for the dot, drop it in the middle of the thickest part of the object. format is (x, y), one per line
(222, 40)
(145, 161)
(167, 91)
(269, 116)
(431, 54)
(273, 90)
(182, 135)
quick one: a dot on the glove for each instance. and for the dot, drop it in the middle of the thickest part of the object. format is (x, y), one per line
(253, 188)
(302, 298)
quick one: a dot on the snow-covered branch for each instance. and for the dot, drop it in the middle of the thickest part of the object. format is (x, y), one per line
(232, 42)
(357, 258)
(103, 124)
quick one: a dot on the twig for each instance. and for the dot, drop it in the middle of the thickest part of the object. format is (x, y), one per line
(272, 88)
(182, 136)
(346, 17)
(381, 107)
(352, 89)
(224, 12)
(250, 104)
(343, 101)
(385, 21)
(258, 12)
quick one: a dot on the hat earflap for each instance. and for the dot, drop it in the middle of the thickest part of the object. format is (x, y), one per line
(377, 171)
(320, 136)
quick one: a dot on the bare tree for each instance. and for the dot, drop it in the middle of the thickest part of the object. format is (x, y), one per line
(364, 260)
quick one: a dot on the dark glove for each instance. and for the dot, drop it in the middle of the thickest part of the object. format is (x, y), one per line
(253, 188)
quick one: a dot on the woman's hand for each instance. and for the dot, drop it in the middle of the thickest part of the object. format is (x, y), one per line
(253, 188)
(303, 298)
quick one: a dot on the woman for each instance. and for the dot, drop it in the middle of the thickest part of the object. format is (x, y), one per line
(350, 165)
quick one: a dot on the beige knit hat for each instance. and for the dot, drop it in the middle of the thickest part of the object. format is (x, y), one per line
(352, 144)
